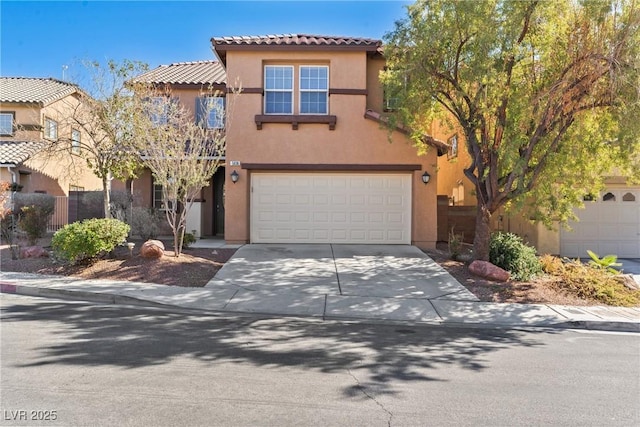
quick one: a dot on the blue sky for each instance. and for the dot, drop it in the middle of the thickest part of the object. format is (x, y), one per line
(37, 39)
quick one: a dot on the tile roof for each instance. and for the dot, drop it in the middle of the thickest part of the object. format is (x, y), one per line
(199, 72)
(36, 90)
(16, 152)
(297, 40)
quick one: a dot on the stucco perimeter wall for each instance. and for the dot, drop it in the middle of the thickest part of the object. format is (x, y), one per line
(355, 140)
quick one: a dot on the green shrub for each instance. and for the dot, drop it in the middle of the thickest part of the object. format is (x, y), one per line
(188, 239)
(607, 262)
(508, 251)
(34, 210)
(83, 241)
(145, 222)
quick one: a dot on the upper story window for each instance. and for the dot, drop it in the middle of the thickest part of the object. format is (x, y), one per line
(278, 89)
(75, 141)
(158, 111)
(210, 111)
(314, 89)
(50, 129)
(6, 124)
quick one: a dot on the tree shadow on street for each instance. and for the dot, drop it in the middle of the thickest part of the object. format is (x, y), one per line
(100, 335)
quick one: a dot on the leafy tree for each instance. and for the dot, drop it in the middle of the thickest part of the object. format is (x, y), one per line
(545, 93)
(182, 153)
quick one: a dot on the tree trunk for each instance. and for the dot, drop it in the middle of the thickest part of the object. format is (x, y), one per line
(106, 196)
(483, 233)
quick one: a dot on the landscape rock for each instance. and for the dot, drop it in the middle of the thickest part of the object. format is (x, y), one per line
(628, 281)
(489, 271)
(152, 249)
(33, 252)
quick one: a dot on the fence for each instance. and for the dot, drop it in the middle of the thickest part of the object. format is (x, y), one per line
(60, 216)
(75, 207)
(462, 219)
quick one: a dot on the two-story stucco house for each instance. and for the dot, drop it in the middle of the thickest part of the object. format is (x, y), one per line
(307, 158)
(34, 115)
(313, 164)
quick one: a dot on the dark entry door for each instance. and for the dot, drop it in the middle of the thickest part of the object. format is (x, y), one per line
(218, 202)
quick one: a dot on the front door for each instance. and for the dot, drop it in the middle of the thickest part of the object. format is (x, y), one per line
(218, 202)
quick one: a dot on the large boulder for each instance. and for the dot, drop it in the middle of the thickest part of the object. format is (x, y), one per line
(489, 271)
(152, 249)
(33, 252)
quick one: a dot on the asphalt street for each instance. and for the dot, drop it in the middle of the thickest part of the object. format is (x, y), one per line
(87, 364)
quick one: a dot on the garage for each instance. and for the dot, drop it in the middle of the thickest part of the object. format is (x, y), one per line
(331, 207)
(609, 224)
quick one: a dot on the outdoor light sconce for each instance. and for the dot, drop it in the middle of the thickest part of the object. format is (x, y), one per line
(235, 176)
(426, 177)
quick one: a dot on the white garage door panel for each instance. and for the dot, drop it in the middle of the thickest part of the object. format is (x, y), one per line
(606, 227)
(331, 208)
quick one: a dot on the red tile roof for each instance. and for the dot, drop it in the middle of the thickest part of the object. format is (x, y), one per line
(288, 41)
(198, 72)
(34, 90)
(16, 152)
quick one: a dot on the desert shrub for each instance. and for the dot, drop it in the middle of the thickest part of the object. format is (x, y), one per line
(455, 244)
(145, 222)
(188, 240)
(508, 251)
(33, 210)
(589, 282)
(83, 241)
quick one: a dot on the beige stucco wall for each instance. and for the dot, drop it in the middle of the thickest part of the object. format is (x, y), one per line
(52, 173)
(355, 139)
(451, 179)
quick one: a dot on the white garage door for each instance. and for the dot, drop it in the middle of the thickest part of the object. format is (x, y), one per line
(330, 208)
(608, 225)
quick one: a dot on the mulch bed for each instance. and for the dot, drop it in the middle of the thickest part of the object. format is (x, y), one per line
(194, 267)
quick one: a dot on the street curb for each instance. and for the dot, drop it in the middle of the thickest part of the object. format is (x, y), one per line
(103, 298)
(8, 288)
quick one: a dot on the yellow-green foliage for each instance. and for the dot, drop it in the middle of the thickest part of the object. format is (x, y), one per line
(589, 282)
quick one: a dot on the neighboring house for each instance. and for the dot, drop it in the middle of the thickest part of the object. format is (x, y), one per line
(307, 158)
(34, 115)
(608, 224)
(312, 161)
(193, 84)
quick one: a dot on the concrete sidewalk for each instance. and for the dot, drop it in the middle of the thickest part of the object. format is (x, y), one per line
(220, 297)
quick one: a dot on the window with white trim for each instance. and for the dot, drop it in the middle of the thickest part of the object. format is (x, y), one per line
(6, 124)
(210, 111)
(278, 89)
(75, 141)
(314, 89)
(50, 129)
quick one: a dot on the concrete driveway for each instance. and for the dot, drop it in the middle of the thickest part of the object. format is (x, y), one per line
(384, 271)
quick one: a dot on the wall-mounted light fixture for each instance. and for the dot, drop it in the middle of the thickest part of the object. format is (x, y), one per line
(235, 176)
(426, 177)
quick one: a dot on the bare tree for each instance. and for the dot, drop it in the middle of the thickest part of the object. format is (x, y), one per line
(103, 125)
(183, 152)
